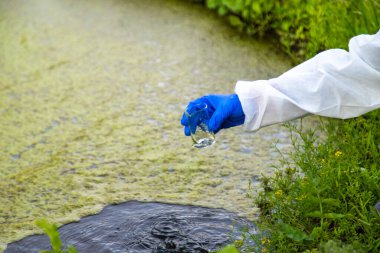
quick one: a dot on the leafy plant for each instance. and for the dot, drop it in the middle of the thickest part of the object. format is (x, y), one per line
(303, 28)
(52, 231)
(326, 191)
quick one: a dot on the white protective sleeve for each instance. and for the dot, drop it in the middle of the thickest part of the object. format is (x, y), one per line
(334, 83)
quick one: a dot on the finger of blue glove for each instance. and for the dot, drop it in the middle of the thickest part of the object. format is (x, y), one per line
(184, 121)
(189, 109)
(186, 130)
(235, 122)
(216, 121)
(189, 126)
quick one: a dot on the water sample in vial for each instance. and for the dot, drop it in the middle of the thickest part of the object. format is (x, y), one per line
(198, 119)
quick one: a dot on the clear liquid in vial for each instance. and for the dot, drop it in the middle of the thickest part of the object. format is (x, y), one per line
(202, 137)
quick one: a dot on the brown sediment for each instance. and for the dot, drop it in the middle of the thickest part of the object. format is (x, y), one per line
(91, 94)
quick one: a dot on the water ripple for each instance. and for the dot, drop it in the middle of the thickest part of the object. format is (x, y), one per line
(136, 227)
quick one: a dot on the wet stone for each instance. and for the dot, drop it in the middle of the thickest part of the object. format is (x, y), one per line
(137, 227)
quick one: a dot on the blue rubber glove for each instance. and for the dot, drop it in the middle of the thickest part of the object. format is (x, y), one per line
(224, 110)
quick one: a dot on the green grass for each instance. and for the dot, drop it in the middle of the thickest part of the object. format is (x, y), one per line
(51, 230)
(326, 191)
(322, 198)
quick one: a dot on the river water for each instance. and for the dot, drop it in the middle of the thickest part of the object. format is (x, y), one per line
(135, 227)
(91, 94)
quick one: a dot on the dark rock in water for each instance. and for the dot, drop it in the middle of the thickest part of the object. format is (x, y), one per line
(136, 227)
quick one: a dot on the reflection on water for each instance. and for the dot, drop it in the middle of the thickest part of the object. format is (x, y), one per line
(137, 227)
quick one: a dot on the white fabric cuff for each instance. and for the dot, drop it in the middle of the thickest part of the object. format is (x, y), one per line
(263, 104)
(253, 102)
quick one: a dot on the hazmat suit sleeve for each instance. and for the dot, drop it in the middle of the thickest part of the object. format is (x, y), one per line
(334, 83)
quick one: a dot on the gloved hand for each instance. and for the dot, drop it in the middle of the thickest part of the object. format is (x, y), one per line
(224, 110)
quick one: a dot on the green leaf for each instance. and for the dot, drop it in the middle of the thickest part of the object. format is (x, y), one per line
(331, 202)
(229, 249)
(211, 4)
(71, 250)
(245, 14)
(235, 5)
(256, 7)
(52, 231)
(316, 233)
(293, 233)
(222, 10)
(285, 25)
(313, 200)
(235, 21)
(318, 214)
(333, 215)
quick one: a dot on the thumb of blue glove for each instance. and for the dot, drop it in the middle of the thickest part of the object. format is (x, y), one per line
(225, 111)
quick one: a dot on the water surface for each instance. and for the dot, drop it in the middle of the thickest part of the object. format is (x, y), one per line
(135, 227)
